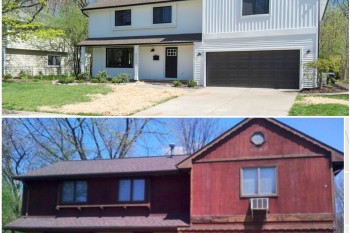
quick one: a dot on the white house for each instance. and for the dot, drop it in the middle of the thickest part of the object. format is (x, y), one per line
(35, 56)
(236, 43)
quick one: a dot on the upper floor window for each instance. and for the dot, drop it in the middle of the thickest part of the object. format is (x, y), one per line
(162, 15)
(74, 191)
(123, 18)
(120, 57)
(132, 190)
(260, 181)
(54, 60)
(255, 7)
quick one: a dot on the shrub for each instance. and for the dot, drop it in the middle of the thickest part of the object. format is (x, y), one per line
(7, 76)
(23, 75)
(84, 76)
(80, 81)
(103, 80)
(37, 77)
(121, 78)
(94, 80)
(102, 76)
(177, 83)
(191, 83)
(66, 79)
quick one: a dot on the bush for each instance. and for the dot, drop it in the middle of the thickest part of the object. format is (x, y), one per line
(177, 83)
(121, 78)
(94, 80)
(84, 76)
(37, 77)
(66, 79)
(7, 76)
(23, 75)
(102, 76)
(103, 80)
(80, 81)
(191, 83)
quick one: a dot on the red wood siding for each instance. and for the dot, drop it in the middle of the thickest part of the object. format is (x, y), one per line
(168, 194)
(278, 142)
(302, 183)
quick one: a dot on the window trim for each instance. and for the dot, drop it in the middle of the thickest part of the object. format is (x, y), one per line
(163, 23)
(255, 15)
(55, 55)
(120, 67)
(124, 25)
(146, 191)
(74, 196)
(259, 194)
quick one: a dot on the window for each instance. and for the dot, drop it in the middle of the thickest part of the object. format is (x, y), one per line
(123, 18)
(258, 181)
(120, 57)
(162, 15)
(54, 60)
(255, 7)
(74, 191)
(132, 190)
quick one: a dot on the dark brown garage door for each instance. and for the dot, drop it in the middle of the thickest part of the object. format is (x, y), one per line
(266, 69)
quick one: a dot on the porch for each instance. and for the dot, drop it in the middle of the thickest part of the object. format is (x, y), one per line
(145, 58)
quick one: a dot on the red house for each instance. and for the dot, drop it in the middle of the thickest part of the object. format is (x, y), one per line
(260, 176)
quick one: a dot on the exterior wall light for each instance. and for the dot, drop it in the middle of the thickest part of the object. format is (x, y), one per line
(308, 51)
(199, 54)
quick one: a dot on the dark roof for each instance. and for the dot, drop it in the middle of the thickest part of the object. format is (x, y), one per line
(337, 156)
(137, 40)
(122, 3)
(98, 223)
(90, 168)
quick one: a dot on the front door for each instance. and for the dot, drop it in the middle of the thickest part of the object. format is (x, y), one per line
(171, 62)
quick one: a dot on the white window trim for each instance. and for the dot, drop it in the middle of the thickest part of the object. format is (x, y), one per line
(55, 56)
(256, 16)
(259, 194)
(150, 24)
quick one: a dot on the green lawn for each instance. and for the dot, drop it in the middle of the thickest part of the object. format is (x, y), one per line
(28, 96)
(300, 109)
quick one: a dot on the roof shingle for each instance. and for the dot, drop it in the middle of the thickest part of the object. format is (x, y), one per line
(106, 167)
(120, 3)
(53, 223)
(136, 40)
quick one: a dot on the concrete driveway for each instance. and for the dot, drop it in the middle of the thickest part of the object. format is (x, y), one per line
(227, 101)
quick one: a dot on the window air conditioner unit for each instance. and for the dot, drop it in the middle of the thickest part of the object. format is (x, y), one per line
(259, 204)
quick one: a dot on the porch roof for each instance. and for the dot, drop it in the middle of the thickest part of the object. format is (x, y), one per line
(139, 40)
(52, 223)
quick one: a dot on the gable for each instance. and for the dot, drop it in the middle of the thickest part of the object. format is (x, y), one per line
(280, 141)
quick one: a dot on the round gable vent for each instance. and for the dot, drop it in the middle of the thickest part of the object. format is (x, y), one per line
(258, 139)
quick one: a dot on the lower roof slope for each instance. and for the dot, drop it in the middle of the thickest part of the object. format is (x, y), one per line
(106, 167)
(98, 223)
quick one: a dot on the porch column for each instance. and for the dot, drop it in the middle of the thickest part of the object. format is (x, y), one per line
(82, 60)
(136, 62)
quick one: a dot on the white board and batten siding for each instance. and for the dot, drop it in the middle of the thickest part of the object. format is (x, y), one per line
(186, 18)
(291, 24)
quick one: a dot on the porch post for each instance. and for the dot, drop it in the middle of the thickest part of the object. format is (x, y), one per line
(136, 62)
(82, 59)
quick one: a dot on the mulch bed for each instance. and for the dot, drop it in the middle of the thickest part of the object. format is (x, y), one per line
(327, 89)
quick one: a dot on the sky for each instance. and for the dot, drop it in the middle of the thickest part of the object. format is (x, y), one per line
(327, 130)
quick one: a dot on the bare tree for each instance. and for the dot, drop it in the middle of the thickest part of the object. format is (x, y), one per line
(195, 133)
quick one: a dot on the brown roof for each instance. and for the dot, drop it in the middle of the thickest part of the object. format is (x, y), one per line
(137, 40)
(98, 223)
(337, 156)
(77, 169)
(122, 3)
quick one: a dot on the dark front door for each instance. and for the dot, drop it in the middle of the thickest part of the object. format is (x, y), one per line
(171, 63)
(267, 69)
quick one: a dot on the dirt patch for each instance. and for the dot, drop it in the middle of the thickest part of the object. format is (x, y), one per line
(328, 89)
(320, 100)
(124, 100)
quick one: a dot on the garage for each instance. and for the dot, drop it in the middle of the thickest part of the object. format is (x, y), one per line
(256, 69)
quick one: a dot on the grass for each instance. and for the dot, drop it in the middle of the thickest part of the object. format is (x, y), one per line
(301, 109)
(28, 96)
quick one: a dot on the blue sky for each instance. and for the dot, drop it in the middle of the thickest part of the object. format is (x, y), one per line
(327, 130)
